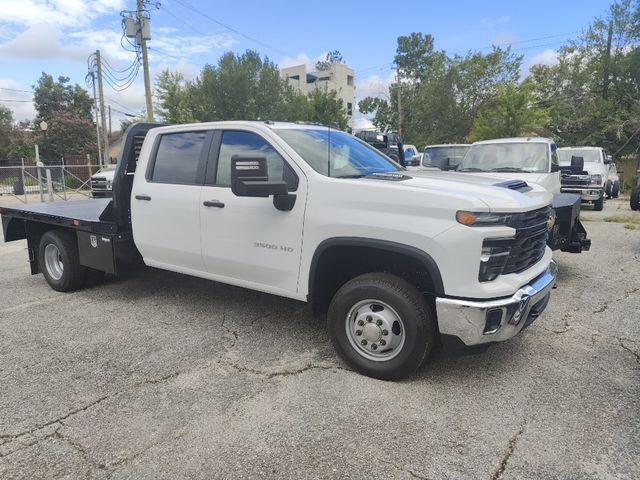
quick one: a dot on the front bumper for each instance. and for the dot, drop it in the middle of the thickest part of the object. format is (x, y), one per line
(590, 194)
(482, 322)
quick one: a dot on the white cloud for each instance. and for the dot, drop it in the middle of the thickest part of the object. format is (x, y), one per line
(301, 58)
(546, 57)
(67, 13)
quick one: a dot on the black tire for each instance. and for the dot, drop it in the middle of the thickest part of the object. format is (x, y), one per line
(607, 189)
(420, 333)
(598, 205)
(72, 276)
(634, 201)
(615, 189)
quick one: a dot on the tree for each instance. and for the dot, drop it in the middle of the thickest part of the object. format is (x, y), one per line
(512, 112)
(67, 110)
(6, 128)
(326, 108)
(173, 102)
(329, 59)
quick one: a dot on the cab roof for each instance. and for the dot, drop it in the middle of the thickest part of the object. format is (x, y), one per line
(515, 140)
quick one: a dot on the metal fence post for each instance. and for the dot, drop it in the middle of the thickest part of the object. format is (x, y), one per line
(24, 185)
(64, 179)
(38, 165)
(49, 184)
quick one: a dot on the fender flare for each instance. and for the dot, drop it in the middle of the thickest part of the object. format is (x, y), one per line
(419, 255)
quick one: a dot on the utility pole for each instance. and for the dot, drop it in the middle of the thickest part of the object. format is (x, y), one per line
(109, 121)
(142, 34)
(103, 113)
(399, 102)
(95, 104)
(607, 62)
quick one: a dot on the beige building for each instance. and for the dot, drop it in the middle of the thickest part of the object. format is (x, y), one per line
(338, 77)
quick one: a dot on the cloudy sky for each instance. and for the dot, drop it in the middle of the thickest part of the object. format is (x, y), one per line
(57, 36)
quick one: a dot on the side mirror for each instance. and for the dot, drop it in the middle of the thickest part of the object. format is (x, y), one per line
(250, 177)
(608, 159)
(555, 167)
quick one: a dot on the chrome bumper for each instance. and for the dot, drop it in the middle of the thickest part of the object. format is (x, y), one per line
(478, 322)
(587, 194)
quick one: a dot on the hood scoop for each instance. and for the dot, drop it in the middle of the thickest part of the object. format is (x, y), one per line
(517, 185)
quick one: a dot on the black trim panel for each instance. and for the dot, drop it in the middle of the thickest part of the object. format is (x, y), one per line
(429, 263)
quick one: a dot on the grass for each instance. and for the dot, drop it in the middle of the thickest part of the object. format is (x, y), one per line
(630, 226)
(626, 218)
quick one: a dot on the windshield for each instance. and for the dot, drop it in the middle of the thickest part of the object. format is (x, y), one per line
(337, 154)
(507, 157)
(565, 154)
(437, 156)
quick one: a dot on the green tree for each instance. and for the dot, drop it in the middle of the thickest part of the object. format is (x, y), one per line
(173, 101)
(6, 129)
(511, 112)
(326, 107)
(67, 110)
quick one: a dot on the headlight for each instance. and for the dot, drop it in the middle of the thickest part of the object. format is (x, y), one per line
(595, 179)
(482, 219)
(109, 185)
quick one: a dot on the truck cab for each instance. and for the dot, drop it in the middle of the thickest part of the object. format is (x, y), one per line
(444, 157)
(585, 172)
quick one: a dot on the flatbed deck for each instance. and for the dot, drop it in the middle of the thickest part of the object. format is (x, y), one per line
(92, 215)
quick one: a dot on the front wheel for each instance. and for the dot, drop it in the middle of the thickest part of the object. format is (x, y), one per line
(634, 201)
(615, 189)
(59, 260)
(598, 205)
(381, 326)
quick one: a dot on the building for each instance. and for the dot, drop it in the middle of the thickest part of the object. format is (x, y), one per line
(338, 77)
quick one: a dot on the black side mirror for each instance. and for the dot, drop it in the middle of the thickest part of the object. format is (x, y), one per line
(555, 167)
(608, 159)
(250, 177)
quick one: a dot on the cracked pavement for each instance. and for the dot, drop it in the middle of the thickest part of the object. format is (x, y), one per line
(164, 376)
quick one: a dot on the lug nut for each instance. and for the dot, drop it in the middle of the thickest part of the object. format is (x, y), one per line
(363, 342)
(369, 318)
(360, 323)
(358, 332)
(385, 332)
(383, 342)
(374, 347)
(378, 322)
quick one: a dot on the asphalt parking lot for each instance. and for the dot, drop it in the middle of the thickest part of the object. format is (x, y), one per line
(166, 376)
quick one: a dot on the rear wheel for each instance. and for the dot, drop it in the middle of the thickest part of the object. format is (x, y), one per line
(381, 325)
(635, 198)
(607, 188)
(598, 205)
(615, 189)
(59, 260)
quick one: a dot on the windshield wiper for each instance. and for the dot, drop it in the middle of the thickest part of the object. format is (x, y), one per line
(507, 169)
(355, 175)
(471, 169)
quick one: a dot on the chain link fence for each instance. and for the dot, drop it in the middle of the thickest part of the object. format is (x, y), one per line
(52, 180)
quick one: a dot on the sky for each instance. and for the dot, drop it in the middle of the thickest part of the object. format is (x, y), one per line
(57, 37)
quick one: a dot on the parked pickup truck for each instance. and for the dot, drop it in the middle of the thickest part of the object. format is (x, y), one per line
(534, 160)
(444, 157)
(398, 262)
(585, 171)
(102, 183)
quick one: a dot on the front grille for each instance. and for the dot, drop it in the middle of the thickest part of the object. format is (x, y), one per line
(528, 245)
(575, 181)
(525, 248)
(99, 183)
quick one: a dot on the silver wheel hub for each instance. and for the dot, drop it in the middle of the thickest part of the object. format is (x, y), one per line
(53, 261)
(375, 330)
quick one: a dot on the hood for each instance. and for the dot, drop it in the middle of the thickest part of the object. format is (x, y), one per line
(548, 181)
(107, 174)
(476, 188)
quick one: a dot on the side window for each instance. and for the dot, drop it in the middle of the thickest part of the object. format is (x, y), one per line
(177, 158)
(246, 143)
(554, 155)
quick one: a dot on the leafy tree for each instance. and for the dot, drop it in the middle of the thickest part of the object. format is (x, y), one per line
(67, 110)
(6, 128)
(326, 108)
(173, 102)
(329, 59)
(512, 112)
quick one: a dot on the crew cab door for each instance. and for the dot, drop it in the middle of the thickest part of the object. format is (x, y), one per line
(165, 200)
(245, 240)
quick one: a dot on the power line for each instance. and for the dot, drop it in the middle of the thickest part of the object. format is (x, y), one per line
(234, 30)
(16, 90)
(15, 101)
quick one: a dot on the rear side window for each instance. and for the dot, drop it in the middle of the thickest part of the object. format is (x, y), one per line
(242, 143)
(177, 158)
